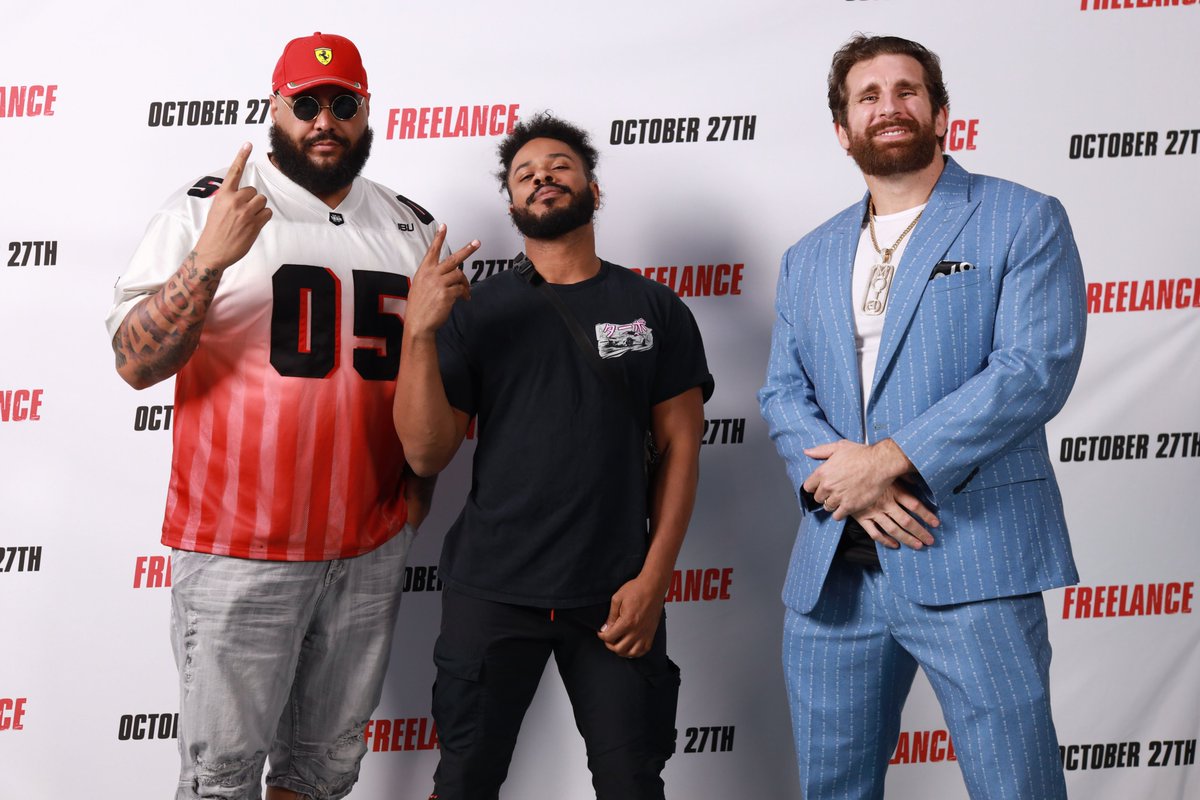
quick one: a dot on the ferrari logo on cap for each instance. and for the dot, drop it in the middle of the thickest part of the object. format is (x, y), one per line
(324, 55)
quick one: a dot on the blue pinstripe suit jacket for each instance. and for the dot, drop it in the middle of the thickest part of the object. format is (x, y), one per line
(971, 366)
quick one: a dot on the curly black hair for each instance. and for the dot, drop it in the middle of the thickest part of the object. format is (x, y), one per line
(545, 125)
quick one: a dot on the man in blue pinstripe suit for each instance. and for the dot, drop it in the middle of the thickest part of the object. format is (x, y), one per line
(923, 338)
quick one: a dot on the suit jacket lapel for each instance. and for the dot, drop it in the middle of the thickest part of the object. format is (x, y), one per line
(949, 208)
(837, 309)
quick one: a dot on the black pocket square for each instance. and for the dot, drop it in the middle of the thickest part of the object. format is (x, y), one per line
(950, 268)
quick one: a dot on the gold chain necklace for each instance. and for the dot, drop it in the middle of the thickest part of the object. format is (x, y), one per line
(880, 282)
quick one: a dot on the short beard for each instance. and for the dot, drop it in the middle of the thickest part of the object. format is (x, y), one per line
(556, 222)
(293, 161)
(894, 159)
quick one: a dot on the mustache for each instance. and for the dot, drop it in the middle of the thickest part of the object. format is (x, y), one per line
(564, 189)
(907, 124)
(326, 136)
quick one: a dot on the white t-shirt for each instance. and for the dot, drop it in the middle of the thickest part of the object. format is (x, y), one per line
(284, 446)
(868, 328)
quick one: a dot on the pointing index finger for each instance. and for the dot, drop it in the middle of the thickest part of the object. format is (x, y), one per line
(233, 178)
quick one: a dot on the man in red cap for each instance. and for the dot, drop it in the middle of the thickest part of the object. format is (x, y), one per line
(275, 296)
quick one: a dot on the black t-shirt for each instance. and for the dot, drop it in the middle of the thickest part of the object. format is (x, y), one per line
(556, 516)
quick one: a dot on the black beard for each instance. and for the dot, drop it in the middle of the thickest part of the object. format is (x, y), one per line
(556, 222)
(894, 159)
(293, 161)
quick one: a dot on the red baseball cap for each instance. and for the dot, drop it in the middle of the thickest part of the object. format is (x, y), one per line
(319, 60)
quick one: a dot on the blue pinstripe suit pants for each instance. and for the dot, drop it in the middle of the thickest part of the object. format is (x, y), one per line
(850, 664)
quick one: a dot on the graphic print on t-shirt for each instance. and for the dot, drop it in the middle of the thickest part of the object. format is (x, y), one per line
(614, 340)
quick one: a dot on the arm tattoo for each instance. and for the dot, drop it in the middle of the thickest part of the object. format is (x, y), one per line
(160, 334)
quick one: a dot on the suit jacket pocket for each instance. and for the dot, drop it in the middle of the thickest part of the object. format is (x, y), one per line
(959, 280)
(1014, 466)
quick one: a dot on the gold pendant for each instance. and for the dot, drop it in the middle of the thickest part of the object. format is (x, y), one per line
(878, 285)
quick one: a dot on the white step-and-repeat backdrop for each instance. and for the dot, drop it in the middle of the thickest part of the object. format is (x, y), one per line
(717, 153)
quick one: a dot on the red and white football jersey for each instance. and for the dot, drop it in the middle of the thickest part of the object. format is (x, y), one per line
(284, 447)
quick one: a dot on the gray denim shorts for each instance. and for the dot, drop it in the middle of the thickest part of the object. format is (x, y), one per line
(282, 660)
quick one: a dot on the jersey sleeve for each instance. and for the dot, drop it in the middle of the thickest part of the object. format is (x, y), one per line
(167, 241)
(682, 363)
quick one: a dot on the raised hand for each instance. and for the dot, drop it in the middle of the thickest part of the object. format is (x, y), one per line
(235, 219)
(428, 427)
(436, 287)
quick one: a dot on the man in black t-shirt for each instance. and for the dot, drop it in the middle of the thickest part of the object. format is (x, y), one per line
(552, 553)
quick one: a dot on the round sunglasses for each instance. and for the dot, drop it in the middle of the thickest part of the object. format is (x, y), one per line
(306, 107)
